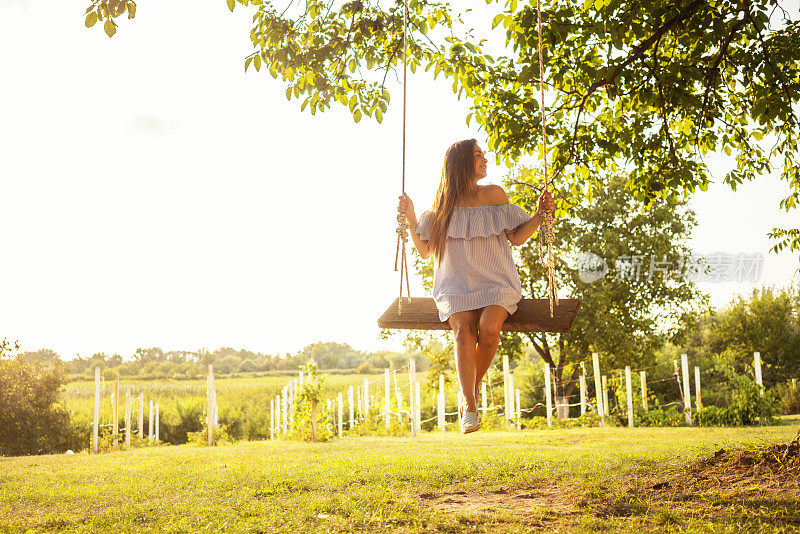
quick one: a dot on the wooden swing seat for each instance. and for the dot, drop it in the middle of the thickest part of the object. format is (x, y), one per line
(532, 315)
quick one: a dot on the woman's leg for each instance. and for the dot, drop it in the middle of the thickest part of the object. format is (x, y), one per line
(465, 331)
(490, 322)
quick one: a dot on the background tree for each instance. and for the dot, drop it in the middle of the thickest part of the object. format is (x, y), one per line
(767, 321)
(629, 269)
(651, 88)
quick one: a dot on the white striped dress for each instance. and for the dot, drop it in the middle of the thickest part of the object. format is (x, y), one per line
(477, 268)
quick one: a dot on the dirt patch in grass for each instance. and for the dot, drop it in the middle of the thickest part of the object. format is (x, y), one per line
(776, 467)
(529, 501)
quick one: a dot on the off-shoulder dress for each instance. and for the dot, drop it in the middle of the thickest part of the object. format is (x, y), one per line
(477, 269)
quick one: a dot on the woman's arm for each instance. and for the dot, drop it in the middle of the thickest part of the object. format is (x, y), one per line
(406, 206)
(524, 232)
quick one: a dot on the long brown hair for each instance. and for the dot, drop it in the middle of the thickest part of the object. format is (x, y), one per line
(456, 186)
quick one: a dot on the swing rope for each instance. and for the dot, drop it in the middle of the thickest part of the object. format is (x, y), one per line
(402, 222)
(546, 232)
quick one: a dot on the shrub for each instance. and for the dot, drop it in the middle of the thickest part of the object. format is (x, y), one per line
(32, 420)
(788, 398)
(219, 436)
(311, 422)
(745, 408)
(659, 417)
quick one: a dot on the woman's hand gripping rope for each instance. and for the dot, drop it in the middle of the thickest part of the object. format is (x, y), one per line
(404, 207)
(545, 210)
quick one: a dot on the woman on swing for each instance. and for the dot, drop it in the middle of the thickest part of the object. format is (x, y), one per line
(475, 284)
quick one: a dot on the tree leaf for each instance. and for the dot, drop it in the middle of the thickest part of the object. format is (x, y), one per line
(91, 19)
(231, 3)
(110, 28)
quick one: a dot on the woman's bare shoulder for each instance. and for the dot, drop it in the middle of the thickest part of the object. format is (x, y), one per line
(493, 194)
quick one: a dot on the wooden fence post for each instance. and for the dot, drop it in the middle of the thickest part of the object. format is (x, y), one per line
(277, 426)
(340, 408)
(757, 366)
(441, 406)
(366, 397)
(412, 371)
(128, 417)
(583, 394)
(314, 421)
(350, 402)
(598, 387)
(518, 417)
(629, 392)
(483, 397)
(209, 406)
(141, 415)
(687, 394)
(116, 410)
(96, 417)
(157, 422)
(606, 408)
(459, 401)
(150, 422)
(399, 398)
(271, 419)
(387, 399)
(548, 392)
(643, 380)
(697, 387)
(512, 405)
(506, 394)
(418, 406)
(290, 393)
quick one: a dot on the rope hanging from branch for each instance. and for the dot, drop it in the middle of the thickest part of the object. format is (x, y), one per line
(546, 232)
(402, 222)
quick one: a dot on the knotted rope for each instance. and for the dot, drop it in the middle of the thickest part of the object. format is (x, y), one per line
(546, 230)
(402, 222)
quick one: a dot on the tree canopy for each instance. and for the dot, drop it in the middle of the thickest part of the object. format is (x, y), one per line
(648, 88)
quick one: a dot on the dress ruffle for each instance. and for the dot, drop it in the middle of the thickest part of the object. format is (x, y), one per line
(467, 222)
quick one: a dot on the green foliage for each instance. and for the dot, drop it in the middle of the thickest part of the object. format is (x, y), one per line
(768, 321)
(436, 349)
(374, 424)
(219, 436)
(659, 417)
(154, 364)
(31, 416)
(747, 406)
(654, 88)
(627, 310)
(788, 395)
(589, 419)
(311, 422)
(108, 10)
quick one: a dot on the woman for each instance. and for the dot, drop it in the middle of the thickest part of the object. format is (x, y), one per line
(476, 284)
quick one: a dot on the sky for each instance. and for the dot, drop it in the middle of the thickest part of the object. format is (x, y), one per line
(155, 194)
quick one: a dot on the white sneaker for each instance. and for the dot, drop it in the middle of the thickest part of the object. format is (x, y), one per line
(470, 423)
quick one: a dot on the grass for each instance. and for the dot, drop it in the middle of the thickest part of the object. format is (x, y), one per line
(584, 480)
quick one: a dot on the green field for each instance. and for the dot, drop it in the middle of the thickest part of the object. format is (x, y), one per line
(642, 479)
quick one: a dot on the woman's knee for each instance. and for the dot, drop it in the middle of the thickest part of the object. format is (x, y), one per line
(465, 328)
(490, 325)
